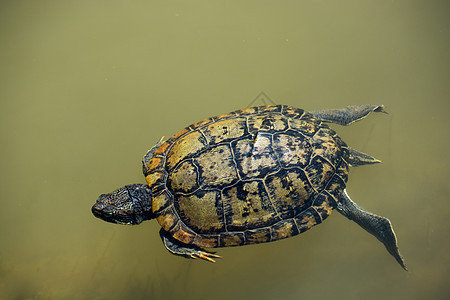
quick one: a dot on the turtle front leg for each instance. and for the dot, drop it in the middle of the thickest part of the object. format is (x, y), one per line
(378, 226)
(189, 251)
(347, 115)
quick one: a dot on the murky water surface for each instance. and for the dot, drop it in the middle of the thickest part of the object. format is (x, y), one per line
(88, 86)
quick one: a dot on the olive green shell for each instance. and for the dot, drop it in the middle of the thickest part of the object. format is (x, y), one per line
(251, 176)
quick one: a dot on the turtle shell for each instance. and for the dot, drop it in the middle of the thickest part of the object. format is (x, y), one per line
(251, 176)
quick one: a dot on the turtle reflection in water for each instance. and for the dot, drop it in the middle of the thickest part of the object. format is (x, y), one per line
(251, 176)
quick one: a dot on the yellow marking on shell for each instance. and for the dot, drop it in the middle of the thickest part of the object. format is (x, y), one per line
(333, 187)
(295, 194)
(249, 110)
(225, 129)
(268, 108)
(319, 175)
(207, 242)
(342, 169)
(260, 155)
(159, 201)
(294, 150)
(329, 145)
(232, 240)
(277, 122)
(299, 185)
(303, 126)
(279, 193)
(328, 170)
(162, 149)
(257, 237)
(289, 110)
(251, 187)
(154, 178)
(225, 116)
(285, 230)
(307, 222)
(217, 167)
(326, 145)
(155, 163)
(201, 213)
(247, 211)
(166, 221)
(189, 144)
(182, 235)
(184, 178)
(319, 151)
(201, 123)
(181, 132)
(326, 207)
(261, 144)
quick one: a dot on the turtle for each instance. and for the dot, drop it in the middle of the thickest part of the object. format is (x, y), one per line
(251, 176)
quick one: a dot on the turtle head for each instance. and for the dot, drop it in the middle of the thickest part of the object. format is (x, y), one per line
(130, 204)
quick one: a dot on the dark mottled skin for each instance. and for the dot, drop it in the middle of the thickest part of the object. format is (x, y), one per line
(255, 175)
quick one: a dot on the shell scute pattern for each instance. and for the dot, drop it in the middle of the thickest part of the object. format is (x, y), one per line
(290, 192)
(319, 171)
(248, 206)
(224, 130)
(292, 149)
(217, 167)
(267, 123)
(284, 229)
(205, 220)
(307, 219)
(254, 156)
(251, 176)
(184, 178)
(184, 147)
(259, 235)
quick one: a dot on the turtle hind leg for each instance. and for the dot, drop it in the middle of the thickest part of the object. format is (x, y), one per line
(347, 115)
(357, 158)
(189, 251)
(378, 226)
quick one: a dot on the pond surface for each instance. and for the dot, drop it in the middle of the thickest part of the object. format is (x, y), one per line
(89, 86)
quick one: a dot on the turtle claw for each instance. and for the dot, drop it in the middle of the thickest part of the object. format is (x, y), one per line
(205, 255)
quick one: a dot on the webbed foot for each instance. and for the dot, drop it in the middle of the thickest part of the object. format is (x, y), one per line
(189, 251)
(347, 115)
(378, 226)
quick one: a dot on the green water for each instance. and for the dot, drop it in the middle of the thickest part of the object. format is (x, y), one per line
(88, 86)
